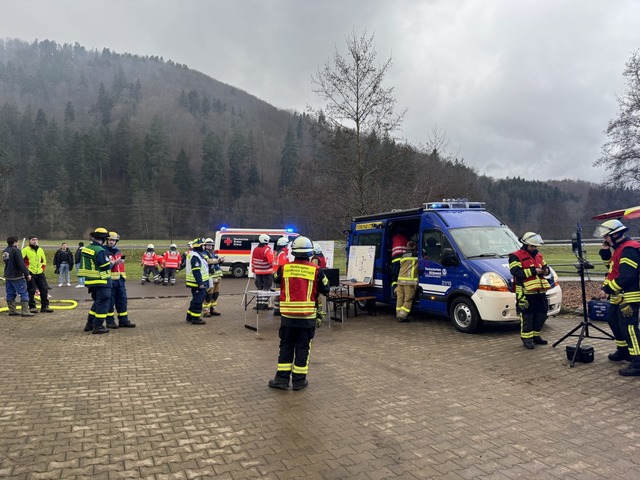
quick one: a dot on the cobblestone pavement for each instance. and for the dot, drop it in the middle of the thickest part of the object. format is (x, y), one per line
(169, 400)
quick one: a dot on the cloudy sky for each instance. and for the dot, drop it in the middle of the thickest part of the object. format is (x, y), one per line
(520, 88)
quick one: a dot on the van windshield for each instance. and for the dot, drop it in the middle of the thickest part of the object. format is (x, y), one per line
(475, 242)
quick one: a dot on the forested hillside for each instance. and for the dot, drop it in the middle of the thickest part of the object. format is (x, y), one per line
(153, 149)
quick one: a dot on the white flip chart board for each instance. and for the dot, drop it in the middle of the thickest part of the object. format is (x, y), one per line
(361, 262)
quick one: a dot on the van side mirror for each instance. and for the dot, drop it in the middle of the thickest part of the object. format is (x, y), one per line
(449, 258)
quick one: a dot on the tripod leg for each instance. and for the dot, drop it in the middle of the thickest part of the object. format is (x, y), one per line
(567, 335)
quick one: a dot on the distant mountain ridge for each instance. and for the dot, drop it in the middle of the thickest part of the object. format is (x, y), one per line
(157, 150)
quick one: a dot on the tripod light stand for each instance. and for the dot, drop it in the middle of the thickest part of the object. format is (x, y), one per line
(582, 265)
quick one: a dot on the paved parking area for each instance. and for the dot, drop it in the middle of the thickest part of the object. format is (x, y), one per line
(169, 400)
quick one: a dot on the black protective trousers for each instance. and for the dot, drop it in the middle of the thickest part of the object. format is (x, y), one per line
(627, 314)
(38, 282)
(295, 344)
(533, 317)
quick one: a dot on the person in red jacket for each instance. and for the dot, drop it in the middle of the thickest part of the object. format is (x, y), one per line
(171, 261)
(281, 258)
(318, 257)
(150, 262)
(301, 282)
(262, 266)
(529, 272)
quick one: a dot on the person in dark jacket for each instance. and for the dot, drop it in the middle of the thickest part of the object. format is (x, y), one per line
(78, 258)
(62, 261)
(16, 275)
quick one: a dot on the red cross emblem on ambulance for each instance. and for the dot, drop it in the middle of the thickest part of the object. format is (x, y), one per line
(228, 242)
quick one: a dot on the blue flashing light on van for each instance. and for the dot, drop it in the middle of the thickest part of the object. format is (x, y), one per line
(462, 261)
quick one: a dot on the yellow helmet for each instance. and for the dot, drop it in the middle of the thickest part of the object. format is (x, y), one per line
(113, 236)
(100, 233)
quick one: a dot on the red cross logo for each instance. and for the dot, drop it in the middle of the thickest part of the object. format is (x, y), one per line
(228, 241)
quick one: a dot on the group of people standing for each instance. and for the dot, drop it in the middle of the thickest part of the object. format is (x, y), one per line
(24, 272)
(621, 288)
(103, 270)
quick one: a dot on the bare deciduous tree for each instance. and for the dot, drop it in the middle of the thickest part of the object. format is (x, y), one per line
(621, 153)
(356, 120)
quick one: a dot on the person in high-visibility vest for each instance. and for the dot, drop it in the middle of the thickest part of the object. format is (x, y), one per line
(215, 276)
(407, 282)
(95, 267)
(622, 287)
(171, 263)
(301, 281)
(529, 272)
(262, 266)
(119, 300)
(197, 279)
(150, 262)
(280, 258)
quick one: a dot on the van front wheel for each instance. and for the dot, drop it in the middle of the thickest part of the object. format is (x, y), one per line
(238, 270)
(464, 315)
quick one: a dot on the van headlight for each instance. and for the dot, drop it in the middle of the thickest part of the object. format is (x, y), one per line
(553, 277)
(493, 282)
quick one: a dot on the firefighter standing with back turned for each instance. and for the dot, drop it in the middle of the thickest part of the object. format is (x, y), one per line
(301, 281)
(621, 286)
(262, 266)
(529, 271)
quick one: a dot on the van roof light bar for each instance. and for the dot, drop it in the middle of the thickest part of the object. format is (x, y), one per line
(454, 203)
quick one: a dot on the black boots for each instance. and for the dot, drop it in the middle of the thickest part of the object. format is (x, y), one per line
(620, 355)
(126, 324)
(538, 340)
(279, 383)
(98, 329)
(528, 343)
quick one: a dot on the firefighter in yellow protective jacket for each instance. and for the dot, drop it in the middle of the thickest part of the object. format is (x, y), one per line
(300, 283)
(407, 282)
(529, 270)
(622, 288)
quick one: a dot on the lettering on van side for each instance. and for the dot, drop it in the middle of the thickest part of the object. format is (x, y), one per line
(435, 272)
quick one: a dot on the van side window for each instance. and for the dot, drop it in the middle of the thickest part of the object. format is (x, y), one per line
(433, 242)
(371, 239)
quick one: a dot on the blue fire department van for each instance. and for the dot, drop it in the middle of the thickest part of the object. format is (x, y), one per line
(463, 262)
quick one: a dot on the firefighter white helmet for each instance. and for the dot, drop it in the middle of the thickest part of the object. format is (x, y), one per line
(209, 241)
(282, 242)
(531, 238)
(150, 247)
(264, 238)
(302, 247)
(173, 246)
(317, 249)
(610, 227)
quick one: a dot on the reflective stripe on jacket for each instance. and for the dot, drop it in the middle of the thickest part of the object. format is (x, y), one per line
(197, 269)
(262, 260)
(623, 275)
(171, 259)
(95, 266)
(299, 290)
(408, 274)
(523, 268)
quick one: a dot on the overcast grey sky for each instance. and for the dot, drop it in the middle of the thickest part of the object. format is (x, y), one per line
(521, 88)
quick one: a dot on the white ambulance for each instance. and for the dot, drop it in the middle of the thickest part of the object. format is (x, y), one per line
(234, 244)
